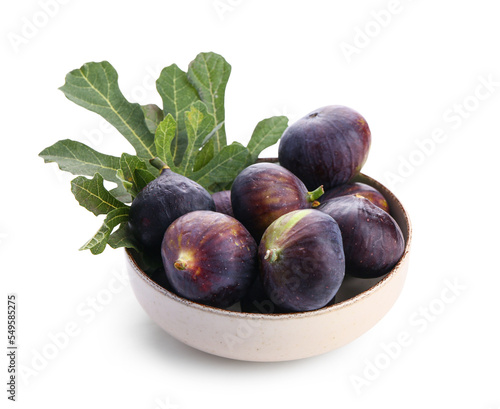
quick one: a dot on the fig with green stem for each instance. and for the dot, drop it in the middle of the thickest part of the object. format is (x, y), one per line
(262, 192)
(302, 260)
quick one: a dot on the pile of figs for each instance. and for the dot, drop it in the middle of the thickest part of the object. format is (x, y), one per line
(284, 233)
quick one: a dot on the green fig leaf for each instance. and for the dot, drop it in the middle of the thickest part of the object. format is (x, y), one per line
(224, 166)
(142, 177)
(177, 95)
(165, 134)
(92, 195)
(95, 86)
(127, 173)
(121, 194)
(79, 159)
(98, 242)
(204, 156)
(266, 133)
(153, 115)
(209, 73)
(199, 124)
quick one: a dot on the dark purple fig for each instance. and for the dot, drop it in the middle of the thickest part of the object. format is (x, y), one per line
(265, 191)
(222, 201)
(373, 241)
(163, 200)
(302, 260)
(362, 189)
(326, 147)
(209, 258)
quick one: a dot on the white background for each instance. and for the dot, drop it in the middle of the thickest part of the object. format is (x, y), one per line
(420, 67)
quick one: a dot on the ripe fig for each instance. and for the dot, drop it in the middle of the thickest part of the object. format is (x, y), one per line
(163, 200)
(302, 260)
(209, 258)
(373, 241)
(326, 147)
(222, 201)
(372, 194)
(262, 192)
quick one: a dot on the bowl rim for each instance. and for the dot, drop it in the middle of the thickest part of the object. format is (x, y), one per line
(291, 315)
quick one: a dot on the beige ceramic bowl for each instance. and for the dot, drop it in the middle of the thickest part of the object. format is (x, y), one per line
(359, 305)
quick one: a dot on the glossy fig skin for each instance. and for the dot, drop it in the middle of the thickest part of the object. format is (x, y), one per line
(163, 200)
(367, 191)
(373, 241)
(262, 192)
(302, 260)
(209, 258)
(222, 202)
(326, 147)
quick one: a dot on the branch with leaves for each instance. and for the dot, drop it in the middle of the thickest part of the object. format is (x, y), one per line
(188, 134)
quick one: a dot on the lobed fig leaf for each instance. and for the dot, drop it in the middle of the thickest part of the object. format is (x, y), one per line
(95, 86)
(209, 73)
(79, 159)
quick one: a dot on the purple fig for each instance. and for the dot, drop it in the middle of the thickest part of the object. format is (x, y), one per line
(302, 260)
(373, 241)
(222, 201)
(362, 189)
(326, 147)
(265, 191)
(209, 258)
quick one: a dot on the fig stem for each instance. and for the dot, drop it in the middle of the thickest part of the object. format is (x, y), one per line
(180, 264)
(158, 164)
(271, 255)
(315, 194)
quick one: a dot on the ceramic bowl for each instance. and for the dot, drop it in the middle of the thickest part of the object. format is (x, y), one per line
(359, 305)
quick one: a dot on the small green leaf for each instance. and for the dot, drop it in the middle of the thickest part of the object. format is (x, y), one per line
(127, 186)
(142, 177)
(177, 95)
(129, 164)
(97, 244)
(266, 133)
(199, 124)
(207, 151)
(95, 86)
(165, 134)
(121, 194)
(123, 238)
(79, 159)
(204, 156)
(92, 195)
(209, 73)
(153, 116)
(224, 167)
